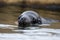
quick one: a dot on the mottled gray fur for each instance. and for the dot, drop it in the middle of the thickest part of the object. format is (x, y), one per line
(29, 18)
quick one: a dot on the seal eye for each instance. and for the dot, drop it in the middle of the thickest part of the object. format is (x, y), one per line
(22, 20)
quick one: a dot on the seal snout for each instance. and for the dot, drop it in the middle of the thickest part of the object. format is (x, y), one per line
(23, 22)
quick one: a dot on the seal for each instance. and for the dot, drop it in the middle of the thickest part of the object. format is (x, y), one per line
(28, 18)
(31, 18)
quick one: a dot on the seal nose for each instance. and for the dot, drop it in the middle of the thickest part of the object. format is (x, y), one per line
(21, 23)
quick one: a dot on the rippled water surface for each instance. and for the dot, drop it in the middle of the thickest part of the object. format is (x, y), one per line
(10, 32)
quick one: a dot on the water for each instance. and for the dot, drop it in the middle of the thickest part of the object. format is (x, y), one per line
(9, 14)
(33, 33)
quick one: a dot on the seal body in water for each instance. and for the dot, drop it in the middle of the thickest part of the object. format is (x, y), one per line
(30, 18)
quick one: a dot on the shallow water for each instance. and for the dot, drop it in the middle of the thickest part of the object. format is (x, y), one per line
(33, 33)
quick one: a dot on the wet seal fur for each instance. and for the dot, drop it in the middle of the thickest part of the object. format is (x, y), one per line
(30, 18)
